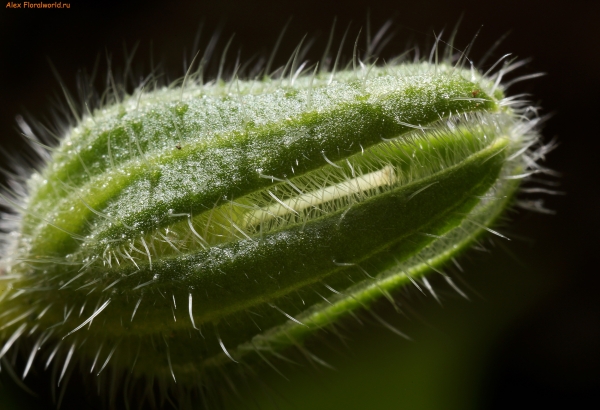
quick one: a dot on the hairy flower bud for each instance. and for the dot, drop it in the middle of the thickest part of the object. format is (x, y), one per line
(180, 231)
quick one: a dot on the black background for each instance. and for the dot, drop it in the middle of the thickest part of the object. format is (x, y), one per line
(545, 354)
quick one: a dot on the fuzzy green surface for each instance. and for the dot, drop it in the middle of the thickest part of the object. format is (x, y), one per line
(167, 235)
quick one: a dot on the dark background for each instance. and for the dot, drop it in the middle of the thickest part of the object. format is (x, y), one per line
(530, 335)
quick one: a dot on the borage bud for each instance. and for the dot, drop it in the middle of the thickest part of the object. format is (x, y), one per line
(178, 233)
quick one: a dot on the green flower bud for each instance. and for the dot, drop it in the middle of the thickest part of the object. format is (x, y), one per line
(181, 232)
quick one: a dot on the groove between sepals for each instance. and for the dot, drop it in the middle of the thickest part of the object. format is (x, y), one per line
(317, 194)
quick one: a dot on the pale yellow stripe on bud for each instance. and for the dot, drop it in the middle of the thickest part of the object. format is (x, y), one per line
(384, 177)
